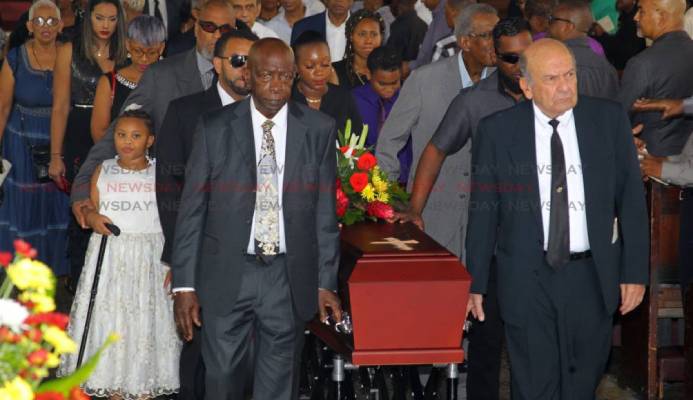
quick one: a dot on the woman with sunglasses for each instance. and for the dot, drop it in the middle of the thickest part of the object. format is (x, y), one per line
(312, 87)
(364, 33)
(78, 68)
(146, 38)
(33, 208)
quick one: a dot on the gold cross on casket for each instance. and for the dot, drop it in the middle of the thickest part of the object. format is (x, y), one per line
(398, 244)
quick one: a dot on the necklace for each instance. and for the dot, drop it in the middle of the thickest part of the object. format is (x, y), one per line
(313, 101)
(33, 51)
(99, 53)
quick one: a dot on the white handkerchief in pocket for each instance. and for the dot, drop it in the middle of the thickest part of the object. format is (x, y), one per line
(614, 235)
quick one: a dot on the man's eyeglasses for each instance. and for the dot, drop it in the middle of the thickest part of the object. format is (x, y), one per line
(510, 58)
(50, 21)
(237, 60)
(484, 35)
(211, 27)
(553, 19)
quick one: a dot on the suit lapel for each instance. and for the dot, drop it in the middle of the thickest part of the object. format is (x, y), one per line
(243, 138)
(295, 136)
(189, 82)
(591, 151)
(523, 153)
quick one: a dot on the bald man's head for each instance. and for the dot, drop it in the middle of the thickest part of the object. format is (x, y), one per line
(270, 72)
(657, 17)
(548, 76)
(570, 19)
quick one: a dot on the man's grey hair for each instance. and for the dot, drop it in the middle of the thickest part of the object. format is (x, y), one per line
(524, 64)
(42, 3)
(463, 23)
(147, 30)
(135, 5)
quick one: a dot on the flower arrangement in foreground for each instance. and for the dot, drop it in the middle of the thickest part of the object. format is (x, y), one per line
(363, 189)
(32, 334)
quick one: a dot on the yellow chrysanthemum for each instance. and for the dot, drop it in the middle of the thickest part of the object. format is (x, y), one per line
(368, 193)
(383, 197)
(52, 361)
(16, 389)
(42, 303)
(31, 275)
(59, 340)
(381, 187)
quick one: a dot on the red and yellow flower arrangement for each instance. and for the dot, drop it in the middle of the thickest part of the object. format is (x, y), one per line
(32, 334)
(363, 189)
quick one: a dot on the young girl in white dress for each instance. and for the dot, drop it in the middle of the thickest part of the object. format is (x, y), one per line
(132, 300)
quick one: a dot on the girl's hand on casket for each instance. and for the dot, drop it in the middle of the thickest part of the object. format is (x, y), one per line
(475, 305)
(328, 299)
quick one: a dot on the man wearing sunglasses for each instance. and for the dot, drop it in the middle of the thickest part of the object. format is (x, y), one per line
(174, 143)
(174, 77)
(455, 135)
(569, 23)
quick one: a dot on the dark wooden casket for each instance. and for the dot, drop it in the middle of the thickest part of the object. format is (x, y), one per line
(406, 295)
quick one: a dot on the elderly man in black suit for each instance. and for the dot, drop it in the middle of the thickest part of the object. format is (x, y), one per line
(256, 237)
(174, 144)
(557, 198)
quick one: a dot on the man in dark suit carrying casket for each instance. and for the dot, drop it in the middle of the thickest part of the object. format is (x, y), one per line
(256, 237)
(557, 197)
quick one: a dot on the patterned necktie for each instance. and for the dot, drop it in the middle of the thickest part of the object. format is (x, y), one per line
(267, 199)
(208, 78)
(558, 250)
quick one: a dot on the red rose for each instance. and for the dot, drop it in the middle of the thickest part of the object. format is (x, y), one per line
(342, 203)
(38, 357)
(21, 246)
(49, 396)
(5, 258)
(339, 183)
(34, 335)
(344, 149)
(380, 210)
(57, 319)
(77, 394)
(366, 161)
(358, 181)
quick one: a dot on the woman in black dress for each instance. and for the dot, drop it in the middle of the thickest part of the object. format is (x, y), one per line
(364, 33)
(79, 66)
(312, 87)
(146, 38)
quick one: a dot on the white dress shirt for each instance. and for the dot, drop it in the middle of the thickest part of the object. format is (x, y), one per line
(279, 132)
(281, 26)
(577, 216)
(336, 38)
(226, 98)
(262, 31)
(162, 9)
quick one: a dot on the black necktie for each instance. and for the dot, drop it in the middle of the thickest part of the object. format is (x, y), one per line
(558, 251)
(157, 11)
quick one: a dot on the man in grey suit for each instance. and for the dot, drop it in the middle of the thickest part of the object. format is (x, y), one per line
(165, 81)
(256, 237)
(422, 102)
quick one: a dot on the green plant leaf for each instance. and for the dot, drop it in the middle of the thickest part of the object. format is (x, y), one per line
(65, 384)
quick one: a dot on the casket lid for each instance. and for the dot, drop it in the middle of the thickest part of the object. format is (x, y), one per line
(380, 239)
